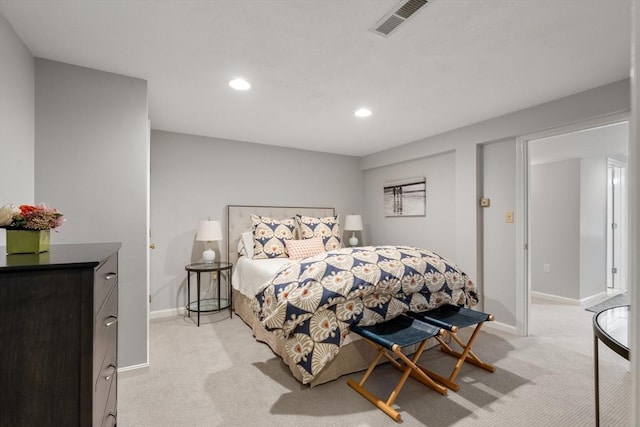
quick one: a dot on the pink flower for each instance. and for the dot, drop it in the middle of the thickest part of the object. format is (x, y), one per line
(30, 217)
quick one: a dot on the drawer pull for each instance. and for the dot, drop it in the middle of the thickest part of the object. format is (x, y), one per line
(110, 321)
(111, 369)
(110, 276)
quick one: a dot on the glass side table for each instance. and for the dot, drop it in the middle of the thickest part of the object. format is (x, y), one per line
(611, 326)
(209, 305)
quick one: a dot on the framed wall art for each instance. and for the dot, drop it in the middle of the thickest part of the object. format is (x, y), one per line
(406, 197)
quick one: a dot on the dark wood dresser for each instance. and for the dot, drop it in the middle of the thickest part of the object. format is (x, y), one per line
(58, 336)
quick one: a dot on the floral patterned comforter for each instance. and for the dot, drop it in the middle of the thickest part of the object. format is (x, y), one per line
(312, 302)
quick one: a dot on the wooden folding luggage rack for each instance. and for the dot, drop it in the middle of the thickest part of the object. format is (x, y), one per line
(389, 338)
(451, 318)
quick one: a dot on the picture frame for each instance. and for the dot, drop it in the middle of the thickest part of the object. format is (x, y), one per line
(405, 197)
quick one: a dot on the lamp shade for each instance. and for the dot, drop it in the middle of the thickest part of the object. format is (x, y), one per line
(208, 231)
(353, 223)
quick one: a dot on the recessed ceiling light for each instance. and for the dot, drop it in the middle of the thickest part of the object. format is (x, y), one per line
(363, 112)
(240, 84)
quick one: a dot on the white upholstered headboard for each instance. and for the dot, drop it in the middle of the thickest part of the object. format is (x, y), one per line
(239, 220)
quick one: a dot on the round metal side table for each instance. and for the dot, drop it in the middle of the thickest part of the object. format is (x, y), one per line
(209, 305)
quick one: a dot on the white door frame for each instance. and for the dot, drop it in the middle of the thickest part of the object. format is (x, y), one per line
(148, 247)
(523, 194)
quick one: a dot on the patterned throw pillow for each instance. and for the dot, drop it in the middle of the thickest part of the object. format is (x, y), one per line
(299, 249)
(327, 227)
(269, 236)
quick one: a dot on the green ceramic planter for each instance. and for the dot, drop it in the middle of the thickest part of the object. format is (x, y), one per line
(28, 241)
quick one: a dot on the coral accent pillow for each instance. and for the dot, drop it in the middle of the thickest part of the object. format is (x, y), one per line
(299, 249)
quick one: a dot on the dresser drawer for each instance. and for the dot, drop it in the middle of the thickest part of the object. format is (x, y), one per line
(107, 416)
(105, 279)
(110, 418)
(106, 332)
(105, 381)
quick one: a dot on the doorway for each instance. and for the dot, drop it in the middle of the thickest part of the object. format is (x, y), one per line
(579, 141)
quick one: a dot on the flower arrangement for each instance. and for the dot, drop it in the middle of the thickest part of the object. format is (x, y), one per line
(30, 217)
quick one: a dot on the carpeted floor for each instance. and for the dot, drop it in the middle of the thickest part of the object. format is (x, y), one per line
(614, 301)
(218, 375)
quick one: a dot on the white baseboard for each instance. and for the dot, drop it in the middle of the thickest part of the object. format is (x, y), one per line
(556, 298)
(503, 327)
(593, 299)
(133, 370)
(164, 314)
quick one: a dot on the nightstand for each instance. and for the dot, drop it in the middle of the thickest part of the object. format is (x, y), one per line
(209, 305)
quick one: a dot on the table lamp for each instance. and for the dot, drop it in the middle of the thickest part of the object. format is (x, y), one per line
(353, 223)
(209, 231)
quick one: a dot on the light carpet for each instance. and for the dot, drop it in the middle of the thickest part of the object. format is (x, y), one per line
(218, 375)
(614, 301)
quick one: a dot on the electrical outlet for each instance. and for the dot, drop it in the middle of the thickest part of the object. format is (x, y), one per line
(485, 202)
(508, 217)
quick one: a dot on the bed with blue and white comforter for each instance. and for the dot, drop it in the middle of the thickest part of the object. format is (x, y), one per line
(312, 302)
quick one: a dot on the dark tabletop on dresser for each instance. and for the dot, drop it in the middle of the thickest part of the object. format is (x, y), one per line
(59, 256)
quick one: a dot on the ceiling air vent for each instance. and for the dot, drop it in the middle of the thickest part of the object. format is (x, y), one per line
(397, 16)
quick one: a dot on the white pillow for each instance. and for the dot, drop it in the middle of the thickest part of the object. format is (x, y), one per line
(247, 241)
(240, 248)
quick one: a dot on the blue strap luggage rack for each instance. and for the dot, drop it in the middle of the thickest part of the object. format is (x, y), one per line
(389, 338)
(452, 318)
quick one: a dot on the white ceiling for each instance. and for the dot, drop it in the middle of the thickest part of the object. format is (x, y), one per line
(313, 62)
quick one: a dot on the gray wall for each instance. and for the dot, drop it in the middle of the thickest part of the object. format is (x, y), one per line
(593, 226)
(606, 100)
(16, 120)
(435, 231)
(568, 227)
(195, 177)
(555, 228)
(91, 162)
(498, 184)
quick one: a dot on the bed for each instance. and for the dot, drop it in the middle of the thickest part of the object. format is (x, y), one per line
(315, 343)
(248, 276)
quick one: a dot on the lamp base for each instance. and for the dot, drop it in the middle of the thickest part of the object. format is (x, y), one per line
(353, 241)
(208, 256)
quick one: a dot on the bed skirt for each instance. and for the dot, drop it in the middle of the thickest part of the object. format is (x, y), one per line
(355, 354)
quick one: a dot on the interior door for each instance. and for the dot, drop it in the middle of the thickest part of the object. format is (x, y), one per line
(616, 225)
